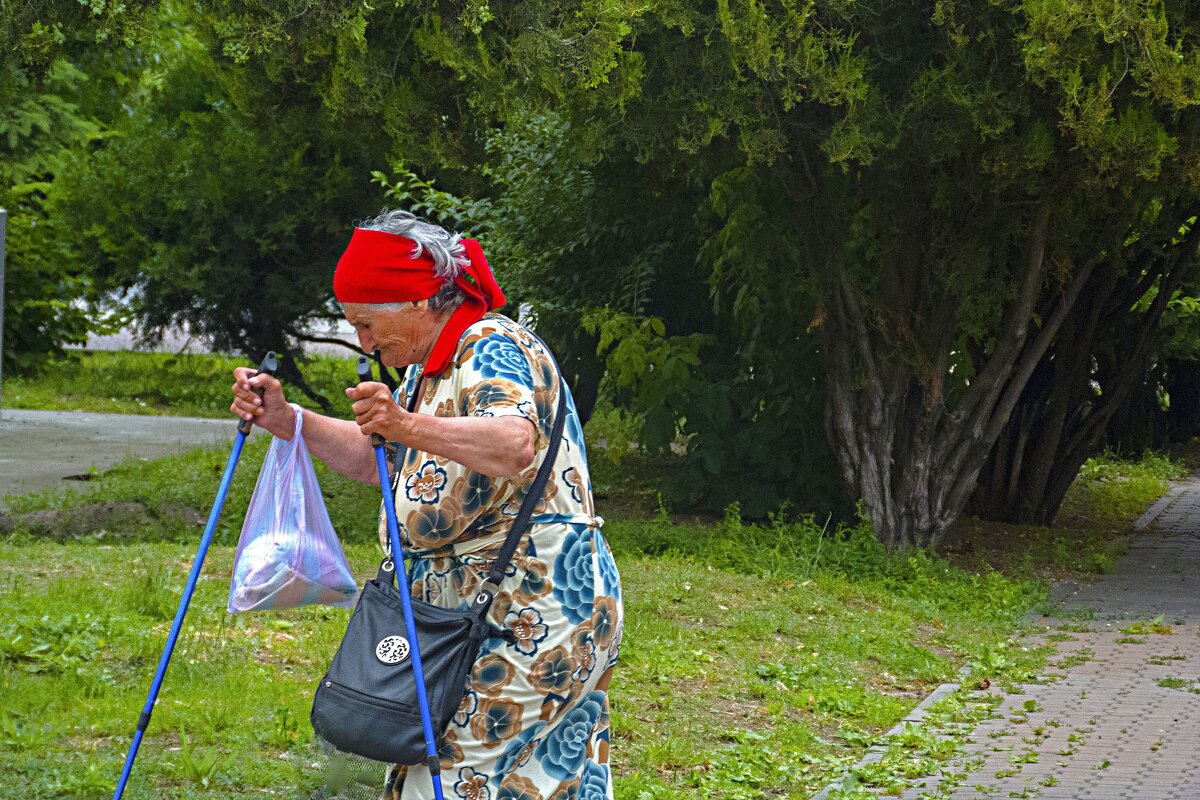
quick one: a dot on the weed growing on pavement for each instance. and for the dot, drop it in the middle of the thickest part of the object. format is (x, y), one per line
(923, 750)
(1187, 684)
(1165, 660)
(1145, 628)
(1082, 656)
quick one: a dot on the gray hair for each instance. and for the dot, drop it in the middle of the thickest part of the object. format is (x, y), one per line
(444, 247)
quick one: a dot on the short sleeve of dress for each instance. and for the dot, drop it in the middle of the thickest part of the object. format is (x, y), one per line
(495, 377)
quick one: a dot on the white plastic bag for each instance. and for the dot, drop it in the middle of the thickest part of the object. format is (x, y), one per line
(288, 554)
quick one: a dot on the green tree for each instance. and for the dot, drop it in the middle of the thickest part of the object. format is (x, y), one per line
(930, 190)
(1108, 353)
(220, 209)
(944, 183)
(46, 110)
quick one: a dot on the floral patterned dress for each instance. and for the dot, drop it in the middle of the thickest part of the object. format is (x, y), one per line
(534, 724)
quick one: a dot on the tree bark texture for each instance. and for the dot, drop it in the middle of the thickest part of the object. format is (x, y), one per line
(908, 452)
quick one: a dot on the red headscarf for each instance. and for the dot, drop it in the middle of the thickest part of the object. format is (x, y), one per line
(379, 267)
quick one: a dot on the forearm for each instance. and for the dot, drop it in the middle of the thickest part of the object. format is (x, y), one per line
(341, 445)
(494, 446)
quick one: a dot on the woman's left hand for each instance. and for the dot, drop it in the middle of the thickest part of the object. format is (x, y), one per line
(376, 411)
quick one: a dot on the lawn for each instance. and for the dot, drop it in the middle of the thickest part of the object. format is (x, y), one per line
(179, 384)
(731, 684)
(757, 660)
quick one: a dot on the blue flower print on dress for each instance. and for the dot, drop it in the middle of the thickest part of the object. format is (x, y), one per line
(534, 584)
(498, 356)
(518, 751)
(608, 568)
(518, 787)
(478, 493)
(593, 784)
(562, 753)
(492, 674)
(528, 628)
(434, 526)
(472, 785)
(573, 433)
(583, 652)
(497, 720)
(574, 578)
(551, 672)
(426, 484)
(528, 410)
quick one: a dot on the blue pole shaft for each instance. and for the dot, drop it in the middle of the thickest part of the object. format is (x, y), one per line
(205, 541)
(410, 625)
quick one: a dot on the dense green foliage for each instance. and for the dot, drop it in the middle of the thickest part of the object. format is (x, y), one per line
(40, 119)
(780, 226)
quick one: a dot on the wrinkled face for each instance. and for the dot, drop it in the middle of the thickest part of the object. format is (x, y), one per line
(403, 335)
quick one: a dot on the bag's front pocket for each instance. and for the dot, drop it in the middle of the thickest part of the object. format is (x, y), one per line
(383, 730)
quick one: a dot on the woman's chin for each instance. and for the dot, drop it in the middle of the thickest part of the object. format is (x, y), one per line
(394, 360)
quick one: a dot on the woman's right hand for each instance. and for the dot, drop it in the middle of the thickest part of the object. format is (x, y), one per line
(271, 411)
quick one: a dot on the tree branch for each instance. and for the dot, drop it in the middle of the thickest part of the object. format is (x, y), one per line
(1014, 328)
(305, 337)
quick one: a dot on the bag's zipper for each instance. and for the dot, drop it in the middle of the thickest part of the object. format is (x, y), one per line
(363, 697)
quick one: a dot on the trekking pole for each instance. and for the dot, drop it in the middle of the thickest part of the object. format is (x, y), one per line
(410, 626)
(268, 366)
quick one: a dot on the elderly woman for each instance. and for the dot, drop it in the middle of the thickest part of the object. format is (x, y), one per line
(534, 724)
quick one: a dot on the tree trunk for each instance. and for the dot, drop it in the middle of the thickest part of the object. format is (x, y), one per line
(911, 458)
(1102, 354)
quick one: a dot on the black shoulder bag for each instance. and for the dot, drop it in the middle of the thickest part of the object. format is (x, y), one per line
(367, 702)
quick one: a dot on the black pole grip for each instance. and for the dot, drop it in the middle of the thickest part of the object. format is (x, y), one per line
(364, 374)
(269, 364)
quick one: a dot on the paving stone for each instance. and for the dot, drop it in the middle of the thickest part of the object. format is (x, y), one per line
(1127, 706)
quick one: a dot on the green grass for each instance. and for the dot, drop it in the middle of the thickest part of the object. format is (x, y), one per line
(756, 660)
(1111, 489)
(730, 685)
(158, 383)
(1091, 533)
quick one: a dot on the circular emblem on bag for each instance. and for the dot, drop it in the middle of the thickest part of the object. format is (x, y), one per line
(392, 649)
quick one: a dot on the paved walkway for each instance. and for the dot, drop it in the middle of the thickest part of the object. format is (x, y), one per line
(42, 449)
(1118, 715)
